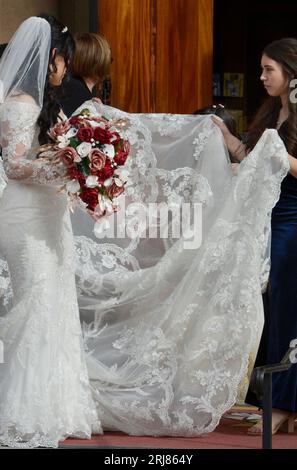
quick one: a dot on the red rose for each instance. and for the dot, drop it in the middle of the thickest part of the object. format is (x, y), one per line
(103, 135)
(85, 134)
(75, 174)
(120, 158)
(76, 121)
(116, 139)
(68, 156)
(114, 191)
(106, 172)
(90, 197)
(123, 153)
(97, 160)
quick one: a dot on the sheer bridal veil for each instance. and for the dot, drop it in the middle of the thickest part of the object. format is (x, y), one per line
(23, 67)
(24, 64)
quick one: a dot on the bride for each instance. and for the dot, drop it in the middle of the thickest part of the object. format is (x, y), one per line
(44, 388)
(171, 321)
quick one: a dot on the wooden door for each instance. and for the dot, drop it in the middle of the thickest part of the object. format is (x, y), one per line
(183, 55)
(127, 26)
(162, 53)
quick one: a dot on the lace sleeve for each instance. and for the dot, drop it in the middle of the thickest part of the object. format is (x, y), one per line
(17, 128)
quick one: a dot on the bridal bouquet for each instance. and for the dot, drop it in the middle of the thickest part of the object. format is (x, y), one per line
(94, 154)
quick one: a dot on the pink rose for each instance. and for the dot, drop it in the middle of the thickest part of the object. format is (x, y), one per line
(68, 156)
(97, 160)
(114, 191)
(60, 128)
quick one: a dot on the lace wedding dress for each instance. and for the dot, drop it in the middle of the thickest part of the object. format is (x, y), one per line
(170, 323)
(44, 387)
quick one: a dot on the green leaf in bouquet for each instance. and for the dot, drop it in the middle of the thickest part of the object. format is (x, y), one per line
(102, 190)
(84, 166)
(74, 142)
(119, 145)
(85, 112)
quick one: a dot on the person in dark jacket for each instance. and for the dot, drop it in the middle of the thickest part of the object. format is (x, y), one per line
(89, 67)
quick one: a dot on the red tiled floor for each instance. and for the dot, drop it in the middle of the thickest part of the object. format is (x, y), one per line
(230, 434)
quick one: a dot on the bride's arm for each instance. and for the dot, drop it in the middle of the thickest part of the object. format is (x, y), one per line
(17, 124)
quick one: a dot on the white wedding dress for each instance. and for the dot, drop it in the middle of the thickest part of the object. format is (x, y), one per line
(169, 328)
(44, 387)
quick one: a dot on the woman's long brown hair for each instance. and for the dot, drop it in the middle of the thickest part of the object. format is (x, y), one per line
(283, 51)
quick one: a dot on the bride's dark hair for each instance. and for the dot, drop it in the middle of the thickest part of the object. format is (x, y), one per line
(284, 52)
(62, 41)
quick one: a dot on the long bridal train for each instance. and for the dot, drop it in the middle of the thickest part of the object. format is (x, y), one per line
(170, 331)
(169, 323)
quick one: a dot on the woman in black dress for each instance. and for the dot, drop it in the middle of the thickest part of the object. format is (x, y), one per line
(279, 68)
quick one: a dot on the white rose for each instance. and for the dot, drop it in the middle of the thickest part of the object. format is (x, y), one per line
(92, 181)
(73, 186)
(63, 141)
(121, 177)
(107, 182)
(71, 133)
(108, 149)
(119, 182)
(84, 149)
